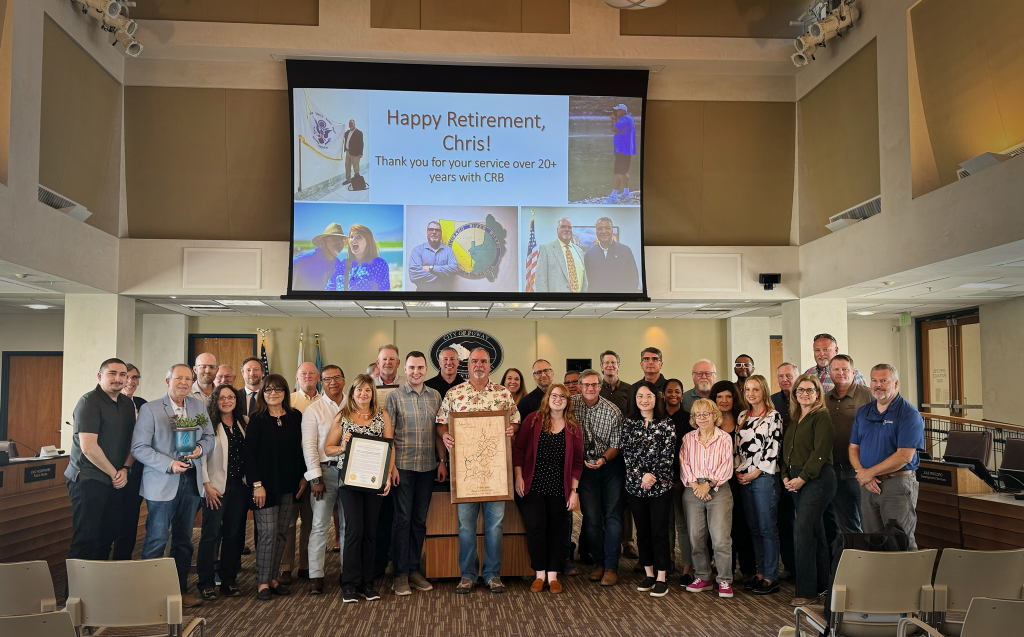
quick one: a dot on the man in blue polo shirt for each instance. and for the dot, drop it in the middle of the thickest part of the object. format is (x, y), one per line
(624, 147)
(883, 451)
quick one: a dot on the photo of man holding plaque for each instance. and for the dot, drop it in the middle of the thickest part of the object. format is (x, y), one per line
(363, 415)
(478, 394)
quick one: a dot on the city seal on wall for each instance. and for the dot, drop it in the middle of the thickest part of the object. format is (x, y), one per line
(464, 342)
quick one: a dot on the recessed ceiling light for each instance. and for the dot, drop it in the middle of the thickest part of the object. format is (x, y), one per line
(383, 307)
(985, 286)
(35, 306)
(424, 304)
(239, 302)
(864, 313)
(466, 308)
(888, 283)
(173, 297)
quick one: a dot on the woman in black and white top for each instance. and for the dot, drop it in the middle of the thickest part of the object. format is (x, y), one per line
(758, 438)
(361, 414)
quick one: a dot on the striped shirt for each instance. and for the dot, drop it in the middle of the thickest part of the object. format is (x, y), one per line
(413, 416)
(712, 460)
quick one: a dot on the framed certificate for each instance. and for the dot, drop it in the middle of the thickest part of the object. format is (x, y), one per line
(382, 394)
(481, 459)
(367, 463)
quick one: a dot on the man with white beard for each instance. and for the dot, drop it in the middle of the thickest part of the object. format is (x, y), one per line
(704, 376)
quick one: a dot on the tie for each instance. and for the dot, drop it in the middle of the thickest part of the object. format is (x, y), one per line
(252, 403)
(573, 282)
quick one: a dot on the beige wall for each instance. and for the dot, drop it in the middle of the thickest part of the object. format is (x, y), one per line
(31, 333)
(352, 343)
(1002, 341)
(296, 12)
(509, 16)
(872, 342)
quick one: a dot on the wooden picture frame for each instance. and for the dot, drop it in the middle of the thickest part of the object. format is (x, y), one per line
(481, 459)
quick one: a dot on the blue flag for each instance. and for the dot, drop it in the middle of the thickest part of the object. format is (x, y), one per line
(319, 363)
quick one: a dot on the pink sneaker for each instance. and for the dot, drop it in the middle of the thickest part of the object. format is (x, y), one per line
(699, 585)
(725, 589)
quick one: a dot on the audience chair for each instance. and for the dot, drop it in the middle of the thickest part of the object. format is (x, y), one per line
(969, 444)
(131, 593)
(26, 588)
(986, 617)
(963, 575)
(52, 624)
(872, 590)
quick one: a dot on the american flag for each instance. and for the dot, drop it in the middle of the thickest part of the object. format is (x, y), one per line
(531, 258)
(263, 357)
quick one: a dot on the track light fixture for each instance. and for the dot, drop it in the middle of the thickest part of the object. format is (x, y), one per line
(823, 20)
(113, 17)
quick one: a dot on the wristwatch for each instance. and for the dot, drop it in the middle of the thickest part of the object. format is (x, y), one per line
(702, 480)
(315, 481)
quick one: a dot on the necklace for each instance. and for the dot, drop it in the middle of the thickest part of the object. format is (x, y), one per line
(365, 414)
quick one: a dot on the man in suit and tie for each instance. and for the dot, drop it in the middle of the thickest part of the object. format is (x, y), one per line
(353, 140)
(170, 486)
(252, 375)
(560, 264)
(609, 264)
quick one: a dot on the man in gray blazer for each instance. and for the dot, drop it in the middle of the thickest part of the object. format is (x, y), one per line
(171, 488)
(554, 261)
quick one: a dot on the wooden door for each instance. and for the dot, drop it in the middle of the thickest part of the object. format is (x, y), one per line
(32, 399)
(230, 349)
(775, 347)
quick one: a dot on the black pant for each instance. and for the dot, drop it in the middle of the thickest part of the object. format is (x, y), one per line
(787, 516)
(128, 525)
(95, 512)
(544, 517)
(362, 510)
(742, 543)
(812, 563)
(653, 518)
(412, 500)
(223, 527)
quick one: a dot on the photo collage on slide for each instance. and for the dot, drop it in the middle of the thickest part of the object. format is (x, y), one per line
(445, 192)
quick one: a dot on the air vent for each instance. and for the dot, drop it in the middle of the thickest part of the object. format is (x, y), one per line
(850, 216)
(59, 202)
(1013, 151)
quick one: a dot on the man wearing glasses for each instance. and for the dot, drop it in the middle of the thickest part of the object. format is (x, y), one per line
(744, 368)
(432, 263)
(825, 349)
(572, 382)
(322, 470)
(205, 370)
(650, 363)
(704, 375)
(543, 375)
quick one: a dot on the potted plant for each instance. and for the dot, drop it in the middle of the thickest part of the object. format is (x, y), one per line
(186, 435)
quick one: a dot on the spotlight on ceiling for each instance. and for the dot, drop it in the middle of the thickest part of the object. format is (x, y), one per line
(113, 17)
(131, 46)
(823, 21)
(107, 8)
(634, 4)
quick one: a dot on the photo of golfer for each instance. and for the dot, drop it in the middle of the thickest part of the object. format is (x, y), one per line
(604, 150)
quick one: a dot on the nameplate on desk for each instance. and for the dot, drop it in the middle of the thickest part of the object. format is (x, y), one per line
(40, 473)
(935, 475)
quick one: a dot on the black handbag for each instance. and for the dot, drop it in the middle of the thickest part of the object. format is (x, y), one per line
(891, 539)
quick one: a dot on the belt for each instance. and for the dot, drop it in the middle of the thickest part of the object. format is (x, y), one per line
(330, 463)
(894, 474)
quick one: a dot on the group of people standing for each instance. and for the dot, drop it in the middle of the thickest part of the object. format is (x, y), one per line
(733, 471)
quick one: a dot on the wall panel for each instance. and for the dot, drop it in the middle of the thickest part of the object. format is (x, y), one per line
(494, 16)
(722, 18)
(839, 147)
(296, 12)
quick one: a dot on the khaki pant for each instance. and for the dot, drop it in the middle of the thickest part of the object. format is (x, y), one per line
(897, 501)
(302, 509)
(351, 164)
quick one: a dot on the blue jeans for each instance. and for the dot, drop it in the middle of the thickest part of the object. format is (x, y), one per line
(760, 501)
(412, 499)
(173, 519)
(812, 554)
(600, 492)
(469, 561)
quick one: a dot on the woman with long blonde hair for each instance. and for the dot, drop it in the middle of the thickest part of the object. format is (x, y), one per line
(547, 457)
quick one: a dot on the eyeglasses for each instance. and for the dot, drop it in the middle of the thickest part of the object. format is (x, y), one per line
(572, 382)
(704, 374)
(807, 391)
(542, 372)
(590, 385)
(650, 359)
(273, 390)
(333, 379)
(559, 397)
(700, 415)
(225, 398)
(744, 365)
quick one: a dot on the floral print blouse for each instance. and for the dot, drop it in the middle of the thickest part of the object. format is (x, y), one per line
(374, 275)
(758, 442)
(648, 449)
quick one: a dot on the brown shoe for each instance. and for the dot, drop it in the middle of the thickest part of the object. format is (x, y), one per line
(596, 574)
(628, 550)
(537, 586)
(317, 586)
(611, 578)
(555, 587)
(286, 578)
(190, 601)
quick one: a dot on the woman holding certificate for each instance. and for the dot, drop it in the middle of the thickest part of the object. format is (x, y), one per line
(364, 416)
(547, 457)
(273, 468)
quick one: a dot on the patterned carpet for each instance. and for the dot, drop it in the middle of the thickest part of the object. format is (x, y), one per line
(583, 609)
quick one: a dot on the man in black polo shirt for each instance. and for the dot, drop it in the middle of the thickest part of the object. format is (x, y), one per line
(100, 461)
(651, 364)
(448, 363)
(543, 375)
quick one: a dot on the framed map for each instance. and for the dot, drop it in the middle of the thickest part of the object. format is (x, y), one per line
(481, 459)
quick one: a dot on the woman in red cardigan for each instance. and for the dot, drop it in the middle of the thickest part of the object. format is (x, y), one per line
(547, 456)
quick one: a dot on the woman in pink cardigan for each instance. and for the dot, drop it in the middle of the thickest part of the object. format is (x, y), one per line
(547, 456)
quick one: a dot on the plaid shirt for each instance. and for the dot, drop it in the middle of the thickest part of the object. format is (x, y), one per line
(826, 381)
(463, 398)
(413, 416)
(602, 426)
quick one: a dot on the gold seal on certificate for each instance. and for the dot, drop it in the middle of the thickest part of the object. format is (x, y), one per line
(367, 463)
